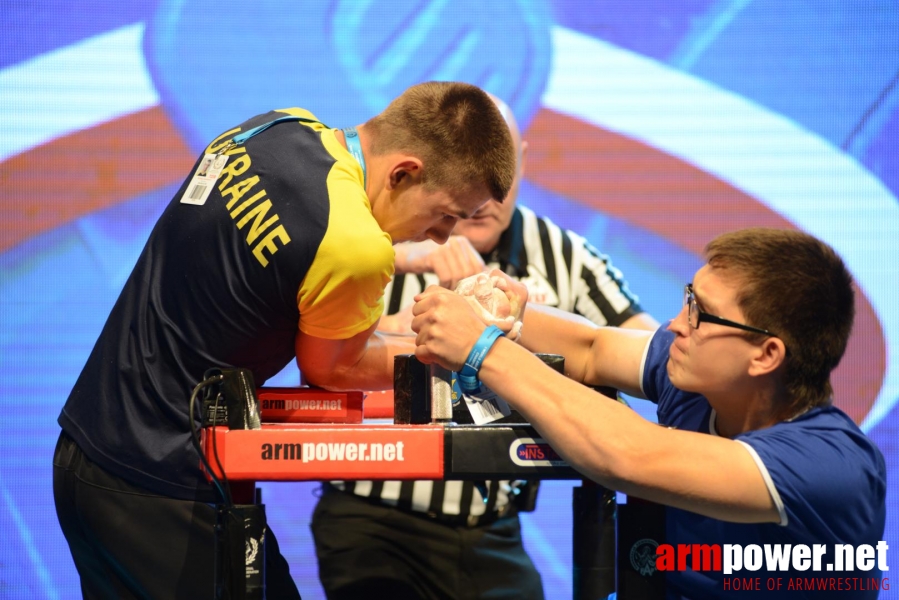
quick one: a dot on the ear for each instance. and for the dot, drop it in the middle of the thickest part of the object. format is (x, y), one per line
(770, 355)
(405, 170)
(524, 157)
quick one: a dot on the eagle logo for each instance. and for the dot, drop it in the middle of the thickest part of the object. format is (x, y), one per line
(643, 556)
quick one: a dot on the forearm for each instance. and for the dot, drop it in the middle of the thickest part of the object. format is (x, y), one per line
(395, 324)
(617, 448)
(451, 262)
(401, 264)
(561, 409)
(371, 369)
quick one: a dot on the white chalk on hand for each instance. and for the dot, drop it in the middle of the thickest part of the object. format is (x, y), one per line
(490, 302)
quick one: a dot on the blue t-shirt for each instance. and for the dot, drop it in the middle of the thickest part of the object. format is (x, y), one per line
(826, 477)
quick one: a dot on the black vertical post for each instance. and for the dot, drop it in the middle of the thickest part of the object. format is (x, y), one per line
(641, 529)
(593, 528)
(240, 532)
(411, 391)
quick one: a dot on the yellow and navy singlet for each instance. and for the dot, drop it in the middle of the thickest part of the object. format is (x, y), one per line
(286, 240)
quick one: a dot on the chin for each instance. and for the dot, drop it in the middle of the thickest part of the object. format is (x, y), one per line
(674, 374)
(680, 382)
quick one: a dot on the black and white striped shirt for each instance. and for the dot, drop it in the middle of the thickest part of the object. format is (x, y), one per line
(561, 269)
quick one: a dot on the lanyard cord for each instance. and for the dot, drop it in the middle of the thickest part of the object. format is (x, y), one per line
(240, 138)
(350, 133)
(355, 147)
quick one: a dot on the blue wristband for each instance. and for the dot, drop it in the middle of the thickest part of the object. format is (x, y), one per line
(468, 376)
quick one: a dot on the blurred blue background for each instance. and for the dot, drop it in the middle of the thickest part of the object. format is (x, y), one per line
(652, 125)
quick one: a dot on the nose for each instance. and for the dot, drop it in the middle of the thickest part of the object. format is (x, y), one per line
(679, 324)
(440, 233)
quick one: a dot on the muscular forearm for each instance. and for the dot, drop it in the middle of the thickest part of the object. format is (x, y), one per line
(614, 446)
(396, 324)
(451, 262)
(366, 366)
(374, 370)
(563, 410)
(401, 263)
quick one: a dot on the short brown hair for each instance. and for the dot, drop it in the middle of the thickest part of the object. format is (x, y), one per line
(797, 287)
(456, 130)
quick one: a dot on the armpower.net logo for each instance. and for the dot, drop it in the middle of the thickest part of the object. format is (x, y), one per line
(335, 451)
(820, 564)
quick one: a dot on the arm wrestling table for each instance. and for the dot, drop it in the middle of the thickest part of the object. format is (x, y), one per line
(322, 436)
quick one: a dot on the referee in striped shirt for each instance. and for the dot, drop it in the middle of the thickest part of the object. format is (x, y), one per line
(440, 539)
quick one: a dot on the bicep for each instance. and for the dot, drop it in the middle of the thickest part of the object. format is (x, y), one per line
(600, 356)
(642, 320)
(616, 359)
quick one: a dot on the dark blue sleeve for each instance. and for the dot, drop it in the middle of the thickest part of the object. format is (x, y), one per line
(812, 462)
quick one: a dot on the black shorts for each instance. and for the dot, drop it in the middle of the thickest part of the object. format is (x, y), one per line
(128, 542)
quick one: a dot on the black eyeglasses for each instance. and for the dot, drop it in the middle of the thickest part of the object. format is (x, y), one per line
(695, 316)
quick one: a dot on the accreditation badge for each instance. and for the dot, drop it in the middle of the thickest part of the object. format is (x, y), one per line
(485, 406)
(201, 183)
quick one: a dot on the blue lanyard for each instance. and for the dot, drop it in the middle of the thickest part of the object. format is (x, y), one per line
(355, 147)
(240, 138)
(352, 139)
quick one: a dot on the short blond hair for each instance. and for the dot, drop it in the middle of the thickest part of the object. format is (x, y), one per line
(456, 130)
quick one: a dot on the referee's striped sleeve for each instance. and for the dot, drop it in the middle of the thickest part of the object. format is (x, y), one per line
(586, 281)
(602, 287)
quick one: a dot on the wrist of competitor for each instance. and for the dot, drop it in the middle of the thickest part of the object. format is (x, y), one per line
(468, 375)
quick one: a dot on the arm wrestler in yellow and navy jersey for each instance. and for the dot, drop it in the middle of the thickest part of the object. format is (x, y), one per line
(286, 258)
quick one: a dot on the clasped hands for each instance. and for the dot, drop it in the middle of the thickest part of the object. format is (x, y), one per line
(448, 323)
